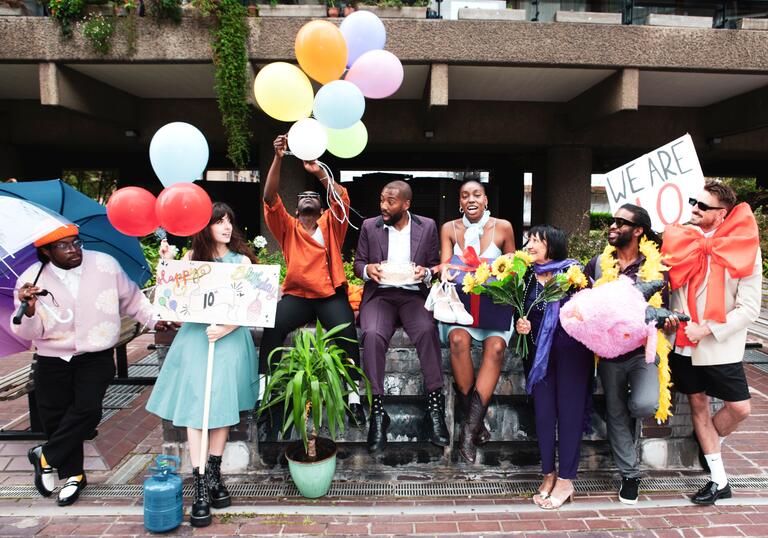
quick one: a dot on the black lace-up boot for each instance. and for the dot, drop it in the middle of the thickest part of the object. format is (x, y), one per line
(220, 497)
(200, 515)
(377, 431)
(436, 428)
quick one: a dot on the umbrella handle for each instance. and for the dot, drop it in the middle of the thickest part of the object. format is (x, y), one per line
(20, 312)
(69, 316)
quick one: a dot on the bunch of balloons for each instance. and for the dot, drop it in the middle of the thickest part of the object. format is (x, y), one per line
(351, 64)
(179, 154)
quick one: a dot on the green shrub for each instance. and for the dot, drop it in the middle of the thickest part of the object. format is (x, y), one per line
(66, 12)
(599, 220)
(98, 30)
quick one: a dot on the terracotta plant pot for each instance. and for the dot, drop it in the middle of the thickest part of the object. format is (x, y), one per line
(333, 12)
(253, 10)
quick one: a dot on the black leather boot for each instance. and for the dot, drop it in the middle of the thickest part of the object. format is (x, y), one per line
(200, 515)
(437, 430)
(483, 435)
(471, 426)
(379, 419)
(220, 497)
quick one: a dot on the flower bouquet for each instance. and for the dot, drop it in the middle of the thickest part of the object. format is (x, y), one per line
(504, 282)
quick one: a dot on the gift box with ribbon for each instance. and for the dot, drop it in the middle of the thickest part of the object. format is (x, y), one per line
(485, 313)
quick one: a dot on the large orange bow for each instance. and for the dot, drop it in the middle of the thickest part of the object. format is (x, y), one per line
(733, 246)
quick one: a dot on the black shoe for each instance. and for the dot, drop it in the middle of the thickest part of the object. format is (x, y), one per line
(200, 514)
(629, 490)
(377, 432)
(709, 494)
(71, 497)
(437, 431)
(483, 435)
(471, 426)
(356, 414)
(42, 474)
(220, 497)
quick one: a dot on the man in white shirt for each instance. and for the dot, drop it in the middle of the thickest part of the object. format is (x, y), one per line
(399, 238)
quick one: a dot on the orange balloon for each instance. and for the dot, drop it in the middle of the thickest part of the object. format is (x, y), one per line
(321, 51)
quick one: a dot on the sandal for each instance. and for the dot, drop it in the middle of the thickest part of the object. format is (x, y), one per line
(543, 494)
(554, 502)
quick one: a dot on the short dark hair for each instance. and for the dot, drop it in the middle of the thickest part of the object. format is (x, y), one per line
(403, 189)
(557, 241)
(468, 181)
(722, 192)
(641, 218)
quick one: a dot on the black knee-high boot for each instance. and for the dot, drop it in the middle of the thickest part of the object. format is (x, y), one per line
(471, 426)
(200, 515)
(220, 497)
(483, 435)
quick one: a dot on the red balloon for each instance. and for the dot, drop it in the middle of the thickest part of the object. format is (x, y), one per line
(132, 211)
(184, 209)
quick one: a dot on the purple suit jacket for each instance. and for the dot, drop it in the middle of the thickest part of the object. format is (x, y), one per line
(373, 247)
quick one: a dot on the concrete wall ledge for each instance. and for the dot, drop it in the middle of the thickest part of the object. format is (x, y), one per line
(405, 12)
(289, 10)
(588, 17)
(480, 14)
(752, 24)
(679, 21)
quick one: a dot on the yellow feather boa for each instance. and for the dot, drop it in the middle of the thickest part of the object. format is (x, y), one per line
(651, 269)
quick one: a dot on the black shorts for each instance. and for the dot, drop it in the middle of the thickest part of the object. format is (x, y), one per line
(724, 381)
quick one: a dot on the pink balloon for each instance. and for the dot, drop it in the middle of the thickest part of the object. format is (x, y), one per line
(378, 74)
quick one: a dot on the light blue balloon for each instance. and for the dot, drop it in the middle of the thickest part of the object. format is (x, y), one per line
(363, 31)
(339, 104)
(178, 153)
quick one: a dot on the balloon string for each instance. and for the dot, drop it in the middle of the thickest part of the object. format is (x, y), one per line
(331, 194)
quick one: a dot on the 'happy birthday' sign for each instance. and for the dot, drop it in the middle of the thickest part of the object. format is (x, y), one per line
(220, 293)
(661, 181)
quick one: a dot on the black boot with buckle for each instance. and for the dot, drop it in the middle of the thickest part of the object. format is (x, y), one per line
(436, 428)
(200, 515)
(220, 497)
(470, 427)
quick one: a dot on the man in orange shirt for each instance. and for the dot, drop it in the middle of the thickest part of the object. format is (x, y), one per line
(315, 286)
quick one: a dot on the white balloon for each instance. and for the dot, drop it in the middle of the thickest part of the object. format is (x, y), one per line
(178, 153)
(307, 139)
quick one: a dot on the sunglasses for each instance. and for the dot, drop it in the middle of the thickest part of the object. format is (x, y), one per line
(308, 194)
(704, 207)
(619, 222)
(77, 244)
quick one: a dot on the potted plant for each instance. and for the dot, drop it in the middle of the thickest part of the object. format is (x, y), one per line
(313, 377)
(333, 8)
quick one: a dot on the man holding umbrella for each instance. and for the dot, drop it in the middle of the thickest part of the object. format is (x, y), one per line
(74, 300)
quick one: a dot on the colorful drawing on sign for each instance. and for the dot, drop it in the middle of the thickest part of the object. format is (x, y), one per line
(221, 293)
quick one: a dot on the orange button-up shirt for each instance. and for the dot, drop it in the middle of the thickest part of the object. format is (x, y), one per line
(312, 271)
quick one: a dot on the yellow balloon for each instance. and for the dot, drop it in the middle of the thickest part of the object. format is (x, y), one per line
(284, 92)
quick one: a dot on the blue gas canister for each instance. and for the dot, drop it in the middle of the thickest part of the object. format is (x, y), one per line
(163, 504)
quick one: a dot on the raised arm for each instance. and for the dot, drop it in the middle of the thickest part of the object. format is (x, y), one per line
(272, 185)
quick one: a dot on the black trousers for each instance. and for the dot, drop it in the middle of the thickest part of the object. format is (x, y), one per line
(69, 399)
(294, 312)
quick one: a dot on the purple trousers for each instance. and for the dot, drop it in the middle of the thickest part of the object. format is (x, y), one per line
(379, 318)
(561, 402)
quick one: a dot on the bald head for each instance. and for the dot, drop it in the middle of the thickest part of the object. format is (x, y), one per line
(404, 191)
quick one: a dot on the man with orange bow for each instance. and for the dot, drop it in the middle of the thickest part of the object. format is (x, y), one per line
(715, 275)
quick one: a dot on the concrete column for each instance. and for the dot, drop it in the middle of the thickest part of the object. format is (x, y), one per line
(562, 188)
(10, 163)
(293, 180)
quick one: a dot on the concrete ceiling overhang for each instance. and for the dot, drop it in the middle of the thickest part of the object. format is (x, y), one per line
(465, 83)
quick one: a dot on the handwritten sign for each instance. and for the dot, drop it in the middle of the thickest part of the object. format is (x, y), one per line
(221, 293)
(661, 181)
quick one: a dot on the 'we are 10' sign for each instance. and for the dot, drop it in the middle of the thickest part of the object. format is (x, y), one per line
(220, 293)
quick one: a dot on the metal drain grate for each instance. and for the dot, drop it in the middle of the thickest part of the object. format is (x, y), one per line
(120, 397)
(755, 356)
(763, 367)
(409, 489)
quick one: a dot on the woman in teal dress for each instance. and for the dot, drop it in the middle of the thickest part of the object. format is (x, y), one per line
(179, 391)
(490, 237)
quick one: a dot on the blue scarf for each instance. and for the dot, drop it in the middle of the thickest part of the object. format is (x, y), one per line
(548, 325)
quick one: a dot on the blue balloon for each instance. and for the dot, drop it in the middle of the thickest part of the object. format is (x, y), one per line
(339, 104)
(178, 153)
(363, 31)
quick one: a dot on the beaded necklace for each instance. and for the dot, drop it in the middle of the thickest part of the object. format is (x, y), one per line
(541, 306)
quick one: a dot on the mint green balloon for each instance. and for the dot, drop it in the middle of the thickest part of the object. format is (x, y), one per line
(349, 142)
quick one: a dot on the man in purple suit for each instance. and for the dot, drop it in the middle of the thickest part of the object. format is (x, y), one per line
(398, 238)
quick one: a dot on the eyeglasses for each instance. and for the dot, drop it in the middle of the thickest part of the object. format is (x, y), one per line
(308, 194)
(619, 222)
(77, 244)
(704, 207)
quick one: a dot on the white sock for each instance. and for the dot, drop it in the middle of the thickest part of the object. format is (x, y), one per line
(716, 468)
(66, 491)
(353, 398)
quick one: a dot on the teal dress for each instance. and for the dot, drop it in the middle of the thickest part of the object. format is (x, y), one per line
(179, 391)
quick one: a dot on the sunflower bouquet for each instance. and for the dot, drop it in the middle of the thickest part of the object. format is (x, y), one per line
(504, 282)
